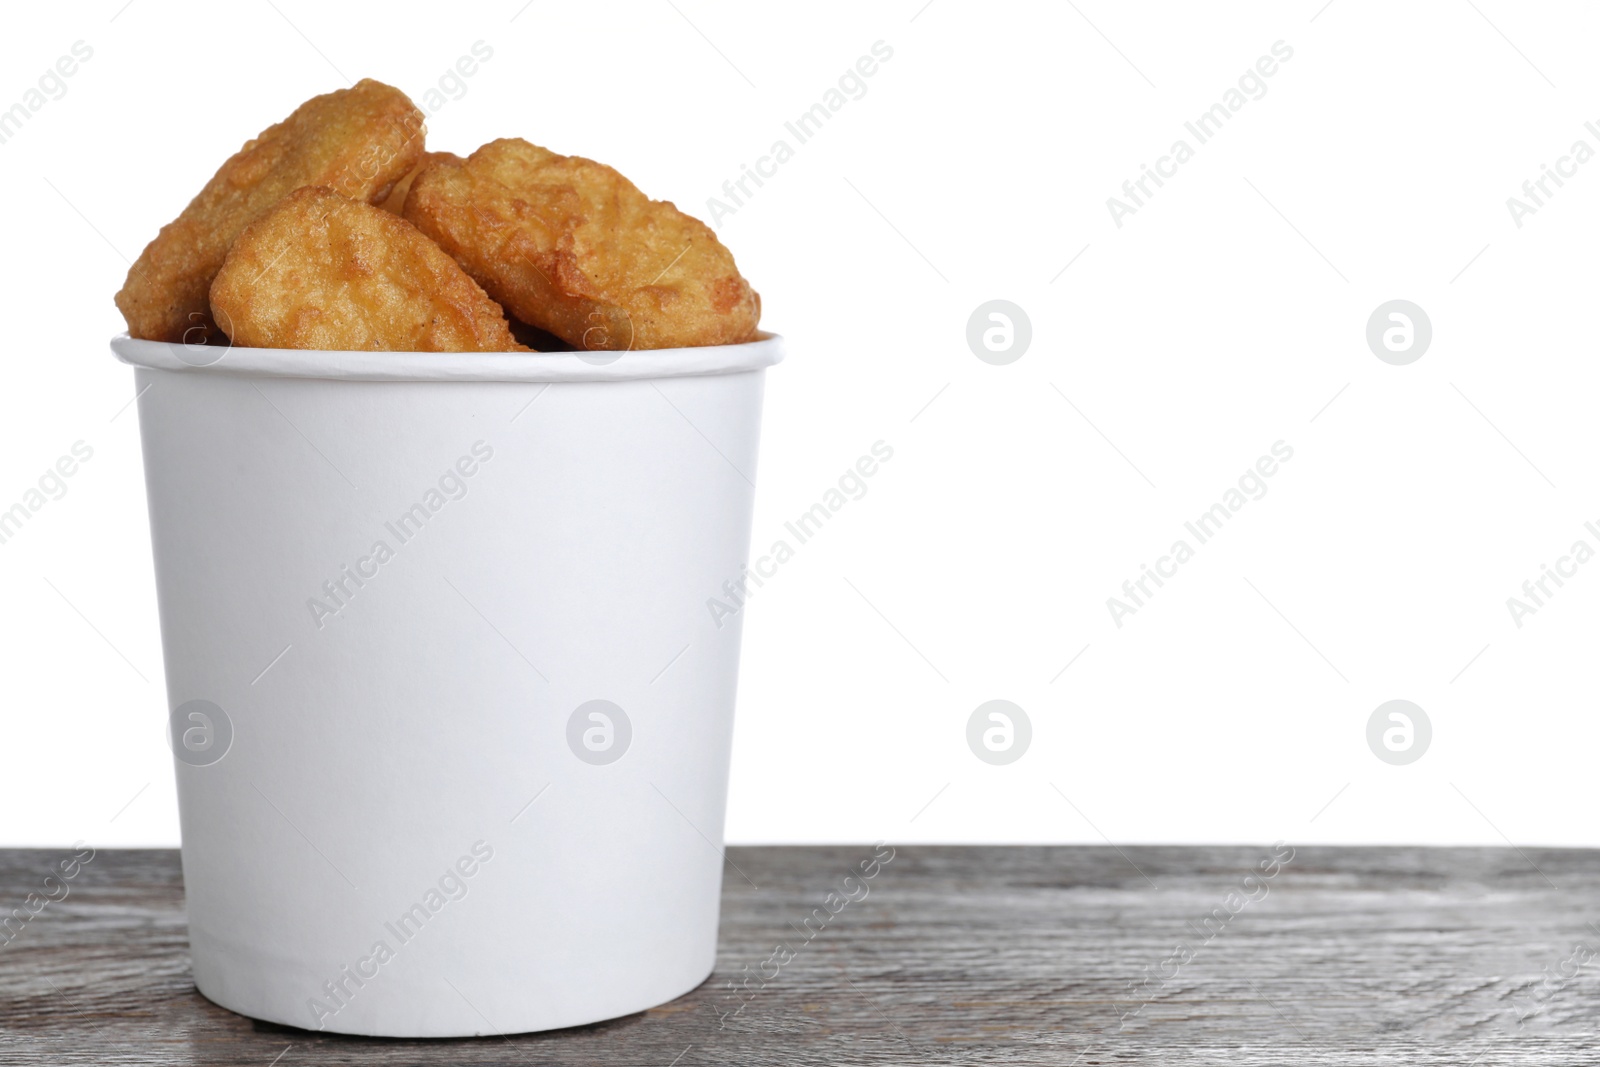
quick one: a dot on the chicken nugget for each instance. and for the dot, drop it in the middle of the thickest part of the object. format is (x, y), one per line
(396, 200)
(573, 247)
(320, 270)
(357, 141)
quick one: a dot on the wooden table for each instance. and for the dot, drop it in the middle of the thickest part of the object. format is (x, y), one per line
(956, 955)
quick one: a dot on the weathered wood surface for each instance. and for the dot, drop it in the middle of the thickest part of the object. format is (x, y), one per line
(957, 955)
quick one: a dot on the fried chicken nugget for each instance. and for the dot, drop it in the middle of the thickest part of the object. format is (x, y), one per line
(320, 270)
(357, 141)
(573, 247)
(396, 200)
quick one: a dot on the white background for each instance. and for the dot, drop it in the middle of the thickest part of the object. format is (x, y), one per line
(1227, 314)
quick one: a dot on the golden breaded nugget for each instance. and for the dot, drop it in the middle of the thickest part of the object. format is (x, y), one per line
(573, 247)
(322, 271)
(396, 200)
(357, 141)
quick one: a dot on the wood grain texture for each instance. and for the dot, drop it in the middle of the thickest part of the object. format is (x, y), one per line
(956, 955)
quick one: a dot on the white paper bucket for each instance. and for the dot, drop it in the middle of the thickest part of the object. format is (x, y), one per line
(451, 713)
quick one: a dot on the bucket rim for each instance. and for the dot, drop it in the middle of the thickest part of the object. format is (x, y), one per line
(764, 351)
